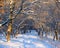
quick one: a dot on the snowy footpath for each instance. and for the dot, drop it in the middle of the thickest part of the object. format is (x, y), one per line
(28, 40)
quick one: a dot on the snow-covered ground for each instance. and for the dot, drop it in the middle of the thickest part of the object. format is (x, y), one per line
(28, 40)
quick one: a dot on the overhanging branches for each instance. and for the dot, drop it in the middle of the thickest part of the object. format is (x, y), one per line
(14, 16)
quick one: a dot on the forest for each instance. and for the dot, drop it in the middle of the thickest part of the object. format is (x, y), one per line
(22, 16)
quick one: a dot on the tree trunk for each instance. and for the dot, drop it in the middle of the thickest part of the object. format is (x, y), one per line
(8, 36)
(9, 31)
(56, 35)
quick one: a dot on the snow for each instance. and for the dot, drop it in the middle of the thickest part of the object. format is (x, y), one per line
(0, 25)
(28, 40)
